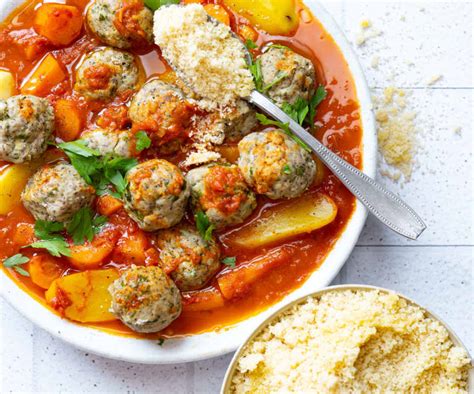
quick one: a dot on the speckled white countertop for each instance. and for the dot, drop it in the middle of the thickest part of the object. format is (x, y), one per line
(418, 41)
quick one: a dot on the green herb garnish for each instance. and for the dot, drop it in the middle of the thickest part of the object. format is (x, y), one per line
(286, 169)
(204, 226)
(143, 141)
(281, 75)
(229, 261)
(284, 127)
(48, 230)
(256, 70)
(155, 4)
(15, 262)
(83, 225)
(99, 171)
(318, 96)
(56, 246)
(161, 341)
(250, 44)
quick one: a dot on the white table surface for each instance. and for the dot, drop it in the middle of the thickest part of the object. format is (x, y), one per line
(419, 40)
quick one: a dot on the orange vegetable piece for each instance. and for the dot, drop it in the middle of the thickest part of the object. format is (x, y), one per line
(108, 205)
(44, 269)
(47, 74)
(68, 120)
(229, 152)
(24, 234)
(202, 300)
(92, 254)
(218, 12)
(130, 249)
(59, 23)
(152, 257)
(247, 32)
(235, 282)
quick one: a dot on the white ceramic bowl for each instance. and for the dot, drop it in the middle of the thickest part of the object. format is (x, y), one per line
(233, 364)
(213, 344)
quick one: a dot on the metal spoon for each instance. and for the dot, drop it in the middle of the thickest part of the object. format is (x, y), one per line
(383, 204)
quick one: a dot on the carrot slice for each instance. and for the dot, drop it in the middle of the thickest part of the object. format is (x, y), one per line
(202, 300)
(59, 23)
(68, 120)
(44, 269)
(235, 282)
(45, 76)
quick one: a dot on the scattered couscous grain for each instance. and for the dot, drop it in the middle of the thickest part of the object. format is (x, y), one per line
(352, 342)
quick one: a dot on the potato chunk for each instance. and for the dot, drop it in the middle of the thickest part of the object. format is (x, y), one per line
(7, 84)
(83, 297)
(299, 216)
(273, 16)
(12, 181)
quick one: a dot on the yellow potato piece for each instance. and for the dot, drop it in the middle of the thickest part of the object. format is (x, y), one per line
(272, 16)
(83, 297)
(12, 181)
(7, 84)
(303, 215)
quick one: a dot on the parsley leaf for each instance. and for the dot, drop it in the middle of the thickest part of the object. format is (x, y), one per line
(15, 262)
(256, 70)
(143, 141)
(250, 44)
(48, 230)
(286, 169)
(161, 341)
(280, 46)
(314, 101)
(281, 75)
(229, 261)
(55, 246)
(284, 127)
(96, 170)
(83, 226)
(204, 226)
(155, 4)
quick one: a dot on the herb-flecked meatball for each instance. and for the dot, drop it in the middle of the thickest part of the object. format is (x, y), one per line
(275, 165)
(121, 24)
(105, 73)
(145, 299)
(156, 195)
(221, 193)
(56, 192)
(106, 141)
(236, 121)
(163, 110)
(187, 257)
(289, 76)
(26, 124)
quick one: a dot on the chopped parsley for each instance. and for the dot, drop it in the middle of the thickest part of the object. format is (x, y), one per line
(143, 141)
(204, 226)
(83, 225)
(155, 4)
(284, 127)
(48, 230)
(304, 111)
(281, 75)
(229, 261)
(15, 262)
(286, 169)
(250, 44)
(256, 70)
(279, 46)
(55, 246)
(161, 341)
(99, 171)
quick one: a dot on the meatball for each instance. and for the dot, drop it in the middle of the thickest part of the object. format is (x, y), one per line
(121, 24)
(56, 192)
(190, 260)
(236, 122)
(105, 73)
(118, 142)
(145, 299)
(26, 124)
(275, 165)
(156, 195)
(163, 110)
(291, 76)
(221, 193)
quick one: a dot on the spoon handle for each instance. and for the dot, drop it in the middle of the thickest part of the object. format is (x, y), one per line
(383, 204)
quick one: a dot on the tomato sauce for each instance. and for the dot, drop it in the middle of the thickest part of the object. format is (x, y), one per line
(338, 127)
